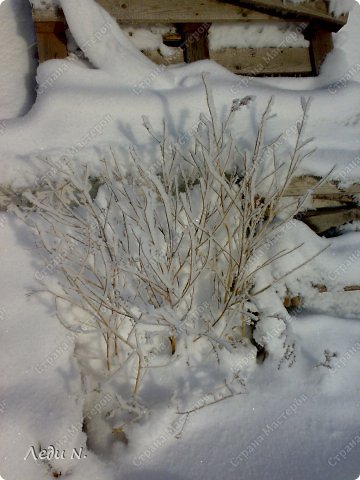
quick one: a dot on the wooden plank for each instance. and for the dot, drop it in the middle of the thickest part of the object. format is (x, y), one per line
(160, 11)
(264, 61)
(328, 202)
(322, 220)
(312, 11)
(321, 43)
(195, 41)
(51, 40)
(246, 61)
(300, 185)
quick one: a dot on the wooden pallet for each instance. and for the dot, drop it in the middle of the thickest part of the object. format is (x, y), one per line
(192, 16)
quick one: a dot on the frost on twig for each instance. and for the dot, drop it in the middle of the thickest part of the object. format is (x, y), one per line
(161, 262)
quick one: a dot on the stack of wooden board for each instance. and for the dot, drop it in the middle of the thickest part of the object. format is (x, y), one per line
(193, 18)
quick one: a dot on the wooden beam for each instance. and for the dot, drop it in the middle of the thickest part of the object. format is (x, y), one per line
(51, 40)
(161, 11)
(321, 43)
(314, 11)
(195, 41)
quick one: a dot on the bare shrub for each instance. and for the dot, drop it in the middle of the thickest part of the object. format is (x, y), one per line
(167, 256)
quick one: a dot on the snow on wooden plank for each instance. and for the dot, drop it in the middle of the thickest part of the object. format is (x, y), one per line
(155, 11)
(301, 185)
(249, 61)
(313, 11)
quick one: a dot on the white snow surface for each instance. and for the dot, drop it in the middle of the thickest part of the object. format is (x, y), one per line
(297, 422)
(293, 420)
(41, 399)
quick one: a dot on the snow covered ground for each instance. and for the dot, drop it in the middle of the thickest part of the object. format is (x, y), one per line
(294, 417)
(299, 422)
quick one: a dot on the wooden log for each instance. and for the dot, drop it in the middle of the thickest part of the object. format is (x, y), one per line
(315, 11)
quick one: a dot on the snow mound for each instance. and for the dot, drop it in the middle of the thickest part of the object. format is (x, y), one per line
(89, 23)
(17, 41)
(83, 106)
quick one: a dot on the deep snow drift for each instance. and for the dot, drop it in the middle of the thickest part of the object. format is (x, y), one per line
(111, 98)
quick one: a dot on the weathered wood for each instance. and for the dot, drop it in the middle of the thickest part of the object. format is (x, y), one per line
(255, 62)
(264, 61)
(313, 11)
(352, 288)
(195, 41)
(51, 40)
(184, 13)
(300, 185)
(246, 61)
(321, 43)
(328, 202)
(160, 11)
(322, 220)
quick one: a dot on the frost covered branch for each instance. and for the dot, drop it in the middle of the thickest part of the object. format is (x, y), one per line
(159, 260)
